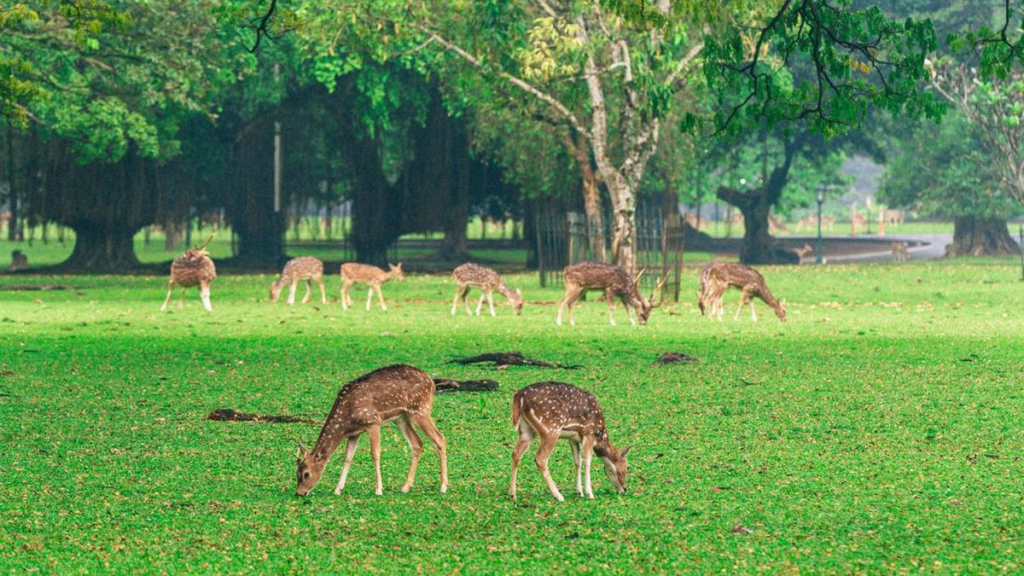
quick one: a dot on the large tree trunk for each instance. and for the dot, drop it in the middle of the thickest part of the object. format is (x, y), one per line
(755, 207)
(981, 237)
(260, 230)
(101, 247)
(579, 147)
(595, 215)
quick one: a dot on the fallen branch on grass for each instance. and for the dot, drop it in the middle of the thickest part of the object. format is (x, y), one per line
(34, 287)
(229, 415)
(506, 359)
(446, 385)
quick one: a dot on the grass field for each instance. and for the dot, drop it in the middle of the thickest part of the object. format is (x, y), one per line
(879, 430)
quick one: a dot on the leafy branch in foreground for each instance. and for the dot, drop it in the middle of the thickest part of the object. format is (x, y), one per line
(823, 63)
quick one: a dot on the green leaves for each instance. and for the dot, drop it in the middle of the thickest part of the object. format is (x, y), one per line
(842, 63)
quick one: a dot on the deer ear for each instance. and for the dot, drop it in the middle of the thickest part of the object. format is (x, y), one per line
(519, 292)
(625, 451)
(301, 452)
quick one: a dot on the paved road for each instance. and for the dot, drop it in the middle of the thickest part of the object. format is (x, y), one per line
(934, 246)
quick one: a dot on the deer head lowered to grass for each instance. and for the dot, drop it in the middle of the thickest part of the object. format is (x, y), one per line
(487, 280)
(305, 268)
(193, 268)
(614, 281)
(398, 393)
(718, 277)
(372, 276)
(552, 410)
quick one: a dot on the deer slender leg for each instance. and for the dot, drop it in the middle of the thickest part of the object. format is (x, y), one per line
(455, 300)
(465, 300)
(525, 438)
(380, 297)
(632, 320)
(480, 304)
(369, 298)
(291, 292)
(743, 300)
(374, 433)
(588, 455)
(547, 446)
(571, 294)
(490, 302)
(415, 444)
(323, 290)
(430, 429)
(345, 285)
(204, 295)
(610, 298)
(350, 451)
(170, 290)
(309, 291)
(576, 461)
(753, 314)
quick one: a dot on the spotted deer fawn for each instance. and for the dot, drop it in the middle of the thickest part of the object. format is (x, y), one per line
(19, 261)
(899, 251)
(469, 276)
(613, 281)
(370, 275)
(305, 268)
(193, 268)
(720, 276)
(803, 252)
(553, 410)
(400, 393)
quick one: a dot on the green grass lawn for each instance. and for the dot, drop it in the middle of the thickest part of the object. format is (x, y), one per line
(879, 430)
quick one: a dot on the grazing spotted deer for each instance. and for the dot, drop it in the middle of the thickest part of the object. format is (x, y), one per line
(193, 268)
(706, 291)
(613, 281)
(19, 261)
(553, 410)
(305, 268)
(400, 393)
(469, 276)
(367, 274)
(721, 276)
(899, 251)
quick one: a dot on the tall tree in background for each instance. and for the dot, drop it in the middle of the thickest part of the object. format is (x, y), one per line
(107, 102)
(939, 170)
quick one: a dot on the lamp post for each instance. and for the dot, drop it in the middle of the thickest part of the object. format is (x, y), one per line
(821, 200)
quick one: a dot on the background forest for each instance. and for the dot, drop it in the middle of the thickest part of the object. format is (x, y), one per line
(388, 119)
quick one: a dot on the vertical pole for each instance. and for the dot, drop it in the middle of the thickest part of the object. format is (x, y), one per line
(12, 224)
(1020, 243)
(540, 252)
(277, 150)
(819, 259)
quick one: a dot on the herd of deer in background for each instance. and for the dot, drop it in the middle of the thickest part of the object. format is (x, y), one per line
(196, 268)
(544, 411)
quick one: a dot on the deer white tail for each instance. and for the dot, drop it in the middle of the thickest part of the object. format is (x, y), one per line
(517, 407)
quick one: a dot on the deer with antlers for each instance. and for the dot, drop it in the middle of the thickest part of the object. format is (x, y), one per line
(469, 276)
(193, 268)
(398, 393)
(614, 281)
(373, 276)
(718, 277)
(551, 410)
(305, 268)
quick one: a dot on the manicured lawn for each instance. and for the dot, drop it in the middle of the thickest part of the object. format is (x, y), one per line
(879, 430)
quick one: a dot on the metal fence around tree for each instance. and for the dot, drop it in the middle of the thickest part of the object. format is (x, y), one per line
(565, 238)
